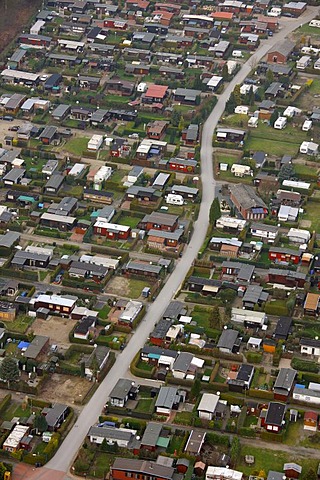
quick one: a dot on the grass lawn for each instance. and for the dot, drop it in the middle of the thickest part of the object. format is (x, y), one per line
(77, 145)
(228, 176)
(117, 175)
(101, 465)
(272, 147)
(20, 324)
(144, 366)
(312, 213)
(309, 30)
(104, 312)
(175, 444)
(201, 273)
(301, 169)
(129, 220)
(183, 418)
(15, 410)
(116, 99)
(145, 405)
(270, 460)
(250, 420)
(203, 317)
(136, 286)
(42, 275)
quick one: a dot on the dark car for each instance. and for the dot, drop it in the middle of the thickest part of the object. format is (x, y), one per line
(15, 128)
(8, 118)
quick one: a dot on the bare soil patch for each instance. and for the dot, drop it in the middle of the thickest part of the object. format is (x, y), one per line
(56, 328)
(64, 389)
(119, 286)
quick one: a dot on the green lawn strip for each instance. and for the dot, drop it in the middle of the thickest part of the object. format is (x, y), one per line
(312, 214)
(145, 405)
(277, 148)
(175, 444)
(20, 324)
(270, 460)
(77, 145)
(136, 286)
(129, 220)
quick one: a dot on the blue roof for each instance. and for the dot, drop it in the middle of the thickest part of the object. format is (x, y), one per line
(23, 344)
(154, 356)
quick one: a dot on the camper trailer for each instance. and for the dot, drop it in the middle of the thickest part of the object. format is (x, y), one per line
(307, 125)
(240, 170)
(253, 122)
(237, 54)
(173, 199)
(274, 12)
(280, 123)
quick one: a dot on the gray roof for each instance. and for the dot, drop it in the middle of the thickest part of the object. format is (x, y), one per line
(184, 189)
(61, 110)
(310, 342)
(174, 309)
(99, 115)
(254, 293)
(100, 353)
(36, 346)
(187, 92)
(176, 235)
(151, 434)
(167, 397)
(161, 218)
(55, 413)
(287, 273)
(272, 475)
(110, 433)
(307, 391)
(55, 181)
(121, 389)
(246, 196)
(143, 267)
(264, 227)
(161, 329)
(14, 174)
(285, 48)
(182, 362)
(228, 339)
(9, 239)
(17, 55)
(147, 467)
(285, 379)
(244, 270)
(48, 132)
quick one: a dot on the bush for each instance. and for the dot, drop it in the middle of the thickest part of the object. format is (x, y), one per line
(5, 403)
(254, 357)
(304, 365)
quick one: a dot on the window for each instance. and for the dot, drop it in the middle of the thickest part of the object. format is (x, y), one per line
(128, 474)
(65, 309)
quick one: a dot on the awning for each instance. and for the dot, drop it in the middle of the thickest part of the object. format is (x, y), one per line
(210, 288)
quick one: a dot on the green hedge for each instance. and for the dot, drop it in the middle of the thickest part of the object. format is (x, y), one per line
(139, 372)
(37, 402)
(5, 403)
(304, 365)
(265, 394)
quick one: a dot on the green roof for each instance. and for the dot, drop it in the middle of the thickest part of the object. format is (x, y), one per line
(26, 198)
(163, 442)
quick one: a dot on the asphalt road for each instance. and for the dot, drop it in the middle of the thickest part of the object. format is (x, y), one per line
(68, 450)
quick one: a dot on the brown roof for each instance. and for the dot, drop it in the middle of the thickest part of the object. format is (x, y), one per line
(156, 91)
(312, 301)
(143, 466)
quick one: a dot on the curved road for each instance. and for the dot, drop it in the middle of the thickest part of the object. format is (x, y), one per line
(89, 415)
